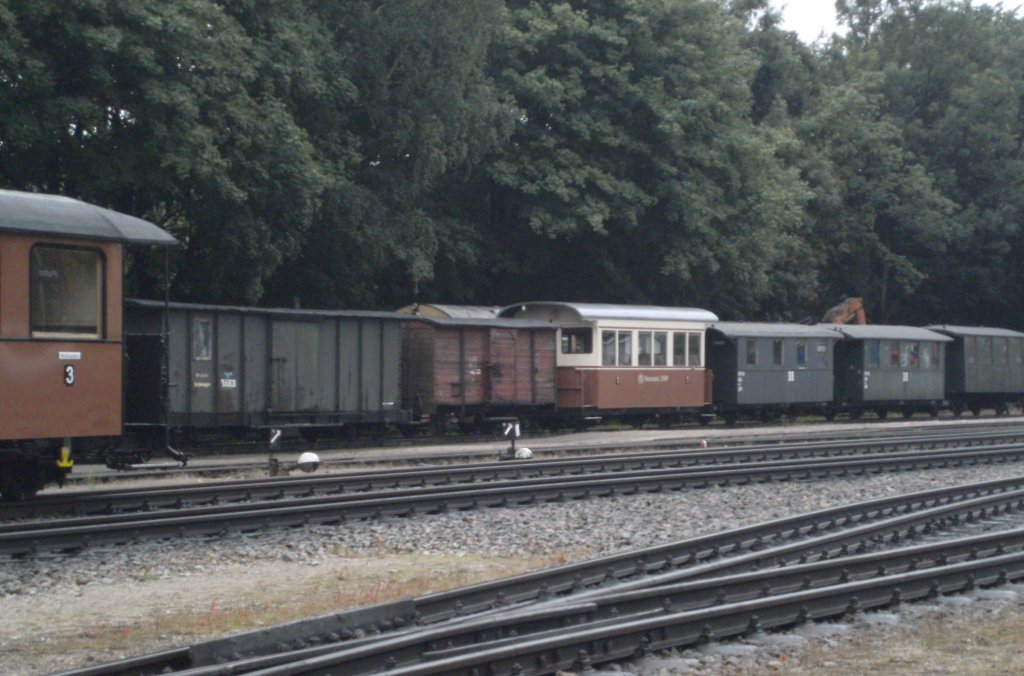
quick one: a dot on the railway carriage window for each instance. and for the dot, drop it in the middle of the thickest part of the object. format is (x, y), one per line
(822, 349)
(894, 353)
(625, 348)
(66, 292)
(777, 352)
(679, 349)
(915, 354)
(986, 350)
(905, 350)
(926, 356)
(644, 353)
(201, 340)
(875, 352)
(801, 353)
(696, 343)
(577, 341)
(937, 355)
(751, 352)
(1019, 350)
(660, 348)
(972, 349)
(608, 348)
(1004, 351)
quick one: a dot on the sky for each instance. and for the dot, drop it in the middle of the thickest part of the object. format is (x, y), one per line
(810, 17)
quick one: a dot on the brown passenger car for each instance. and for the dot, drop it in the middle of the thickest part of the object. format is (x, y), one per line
(633, 362)
(60, 331)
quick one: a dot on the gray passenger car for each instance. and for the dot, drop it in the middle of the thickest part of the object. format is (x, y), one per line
(242, 367)
(984, 368)
(889, 368)
(768, 369)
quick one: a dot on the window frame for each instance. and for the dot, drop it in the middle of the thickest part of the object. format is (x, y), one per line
(101, 294)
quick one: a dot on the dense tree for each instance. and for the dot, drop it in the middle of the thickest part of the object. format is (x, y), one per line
(144, 106)
(635, 170)
(421, 110)
(365, 153)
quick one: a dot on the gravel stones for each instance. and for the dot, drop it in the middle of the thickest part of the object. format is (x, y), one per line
(573, 530)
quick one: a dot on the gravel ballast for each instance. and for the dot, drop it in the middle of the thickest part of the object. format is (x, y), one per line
(104, 592)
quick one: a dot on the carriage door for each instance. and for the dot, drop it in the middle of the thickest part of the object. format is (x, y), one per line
(501, 367)
(293, 366)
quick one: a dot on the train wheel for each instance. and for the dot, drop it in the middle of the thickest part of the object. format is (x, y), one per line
(975, 410)
(958, 408)
(19, 480)
(857, 414)
(1002, 408)
(882, 413)
(908, 413)
(830, 414)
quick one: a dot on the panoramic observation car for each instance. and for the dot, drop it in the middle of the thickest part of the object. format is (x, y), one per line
(884, 368)
(984, 368)
(633, 362)
(61, 267)
(766, 370)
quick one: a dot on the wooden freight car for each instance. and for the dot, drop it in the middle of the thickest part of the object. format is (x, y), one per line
(475, 370)
(632, 362)
(255, 368)
(61, 264)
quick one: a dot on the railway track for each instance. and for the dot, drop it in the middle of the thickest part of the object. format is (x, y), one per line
(84, 503)
(29, 537)
(793, 570)
(203, 467)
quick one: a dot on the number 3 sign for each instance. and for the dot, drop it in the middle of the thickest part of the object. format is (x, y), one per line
(69, 374)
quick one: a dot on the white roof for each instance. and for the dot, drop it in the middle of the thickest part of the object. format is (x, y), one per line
(585, 312)
(772, 330)
(886, 332)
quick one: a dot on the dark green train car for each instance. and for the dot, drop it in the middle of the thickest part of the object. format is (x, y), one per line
(984, 368)
(767, 370)
(889, 368)
(254, 368)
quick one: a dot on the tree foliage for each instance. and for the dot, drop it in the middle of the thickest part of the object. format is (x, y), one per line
(366, 153)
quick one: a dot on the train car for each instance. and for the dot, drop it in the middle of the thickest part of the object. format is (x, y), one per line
(633, 362)
(247, 368)
(61, 263)
(889, 368)
(439, 311)
(984, 368)
(769, 370)
(475, 370)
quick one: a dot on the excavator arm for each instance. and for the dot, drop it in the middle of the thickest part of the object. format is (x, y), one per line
(850, 311)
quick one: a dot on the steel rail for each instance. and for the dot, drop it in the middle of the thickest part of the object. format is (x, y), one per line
(180, 496)
(884, 430)
(580, 648)
(611, 608)
(24, 538)
(754, 573)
